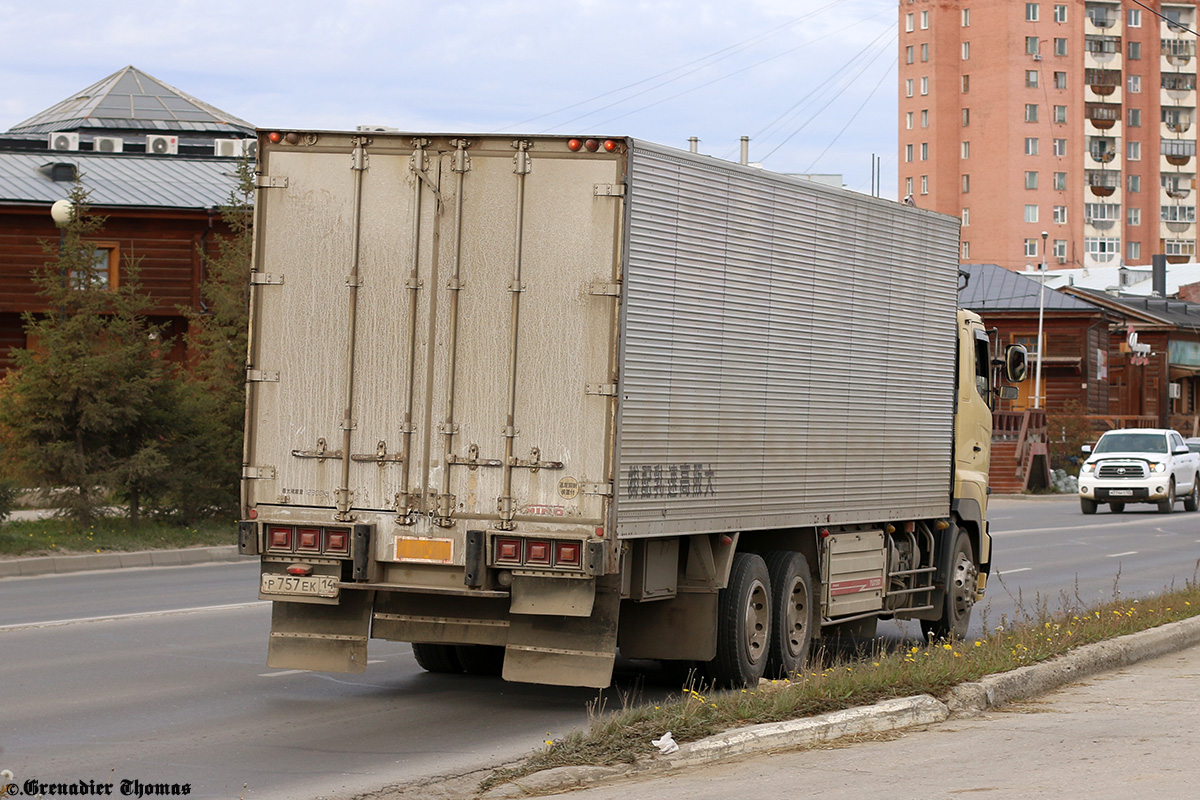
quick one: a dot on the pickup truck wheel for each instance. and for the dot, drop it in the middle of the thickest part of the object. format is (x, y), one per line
(481, 659)
(960, 594)
(1116, 508)
(1087, 505)
(791, 612)
(1168, 505)
(743, 624)
(436, 657)
(1192, 501)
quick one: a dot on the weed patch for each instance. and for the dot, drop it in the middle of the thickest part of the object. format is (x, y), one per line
(107, 534)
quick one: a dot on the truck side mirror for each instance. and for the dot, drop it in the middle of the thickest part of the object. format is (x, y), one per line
(1016, 363)
(1087, 448)
(1009, 393)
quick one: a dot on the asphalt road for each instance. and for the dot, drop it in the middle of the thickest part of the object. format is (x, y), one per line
(159, 675)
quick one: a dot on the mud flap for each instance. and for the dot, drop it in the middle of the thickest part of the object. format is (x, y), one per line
(566, 651)
(321, 637)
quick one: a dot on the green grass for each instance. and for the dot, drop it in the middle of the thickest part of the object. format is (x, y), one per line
(836, 683)
(106, 535)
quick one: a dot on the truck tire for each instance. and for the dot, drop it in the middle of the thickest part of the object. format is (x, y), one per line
(1116, 508)
(960, 593)
(791, 613)
(1087, 505)
(481, 659)
(1168, 505)
(436, 657)
(743, 624)
(1192, 501)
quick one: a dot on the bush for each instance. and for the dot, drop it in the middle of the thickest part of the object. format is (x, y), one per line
(8, 495)
(1068, 430)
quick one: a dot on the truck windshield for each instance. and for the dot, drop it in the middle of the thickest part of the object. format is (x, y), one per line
(1132, 443)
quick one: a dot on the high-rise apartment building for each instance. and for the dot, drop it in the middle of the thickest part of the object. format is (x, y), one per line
(1072, 118)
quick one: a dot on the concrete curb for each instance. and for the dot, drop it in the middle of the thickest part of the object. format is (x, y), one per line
(57, 565)
(908, 712)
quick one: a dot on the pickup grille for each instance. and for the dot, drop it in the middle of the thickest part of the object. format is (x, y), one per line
(1131, 470)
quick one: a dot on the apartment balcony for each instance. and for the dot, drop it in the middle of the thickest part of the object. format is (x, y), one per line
(1180, 123)
(1103, 16)
(1103, 183)
(1103, 116)
(1178, 85)
(1176, 228)
(1178, 52)
(1177, 152)
(1178, 186)
(1102, 49)
(1102, 82)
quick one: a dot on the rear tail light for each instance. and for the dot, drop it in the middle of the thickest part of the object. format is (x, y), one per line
(537, 553)
(300, 569)
(567, 554)
(337, 542)
(279, 538)
(310, 540)
(513, 551)
(509, 551)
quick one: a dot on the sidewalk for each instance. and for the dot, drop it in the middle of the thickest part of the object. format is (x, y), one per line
(50, 565)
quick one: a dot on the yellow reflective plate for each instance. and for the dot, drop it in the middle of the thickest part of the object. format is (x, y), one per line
(429, 551)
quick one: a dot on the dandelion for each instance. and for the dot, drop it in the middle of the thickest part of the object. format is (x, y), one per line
(978, 643)
(947, 646)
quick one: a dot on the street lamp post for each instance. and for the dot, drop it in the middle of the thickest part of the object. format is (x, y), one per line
(1037, 373)
(61, 212)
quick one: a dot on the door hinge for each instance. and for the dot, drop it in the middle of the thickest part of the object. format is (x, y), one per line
(603, 489)
(261, 278)
(602, 389)
(271, 181)
(262, 375)
(605, 289)
(259, 473)
(609, 190)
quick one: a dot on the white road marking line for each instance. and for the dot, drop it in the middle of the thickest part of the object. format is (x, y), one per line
(281, 673)
(139, 615)
(1118, 555)
(1011, 571)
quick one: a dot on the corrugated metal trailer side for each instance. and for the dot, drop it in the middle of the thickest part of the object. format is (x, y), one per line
(787, 353)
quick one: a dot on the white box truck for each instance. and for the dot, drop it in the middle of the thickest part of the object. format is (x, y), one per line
(525, 401)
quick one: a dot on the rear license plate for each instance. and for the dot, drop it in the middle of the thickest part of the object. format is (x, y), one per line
(1120, 492)
(300, 585)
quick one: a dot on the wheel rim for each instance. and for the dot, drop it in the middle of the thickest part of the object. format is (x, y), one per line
(796, 618)
(758, 621)
(966, 575)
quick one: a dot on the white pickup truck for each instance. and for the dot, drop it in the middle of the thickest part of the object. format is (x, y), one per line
(1139, 465)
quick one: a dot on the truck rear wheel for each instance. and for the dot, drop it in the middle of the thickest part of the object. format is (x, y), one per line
(743, 624)
(481, 659)
(436, 657)
(1192, 501)
(959, 596)
(791, 612)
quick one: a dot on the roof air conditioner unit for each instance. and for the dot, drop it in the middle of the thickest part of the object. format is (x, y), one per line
(1173, 391)
(162, 145)
(1062, 259)
(1037, 56)
(235, 148)
(249, 148)
(108, 144)
(64, 141)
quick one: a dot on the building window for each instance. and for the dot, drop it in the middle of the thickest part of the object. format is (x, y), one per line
(1060, 181)
(966, 149)
(1134, 151)
(1060, 47)
(1060, 12)
(1031, 146)
(924, 151)
(966, 250)
(908, 186)
(1031, 248)
(1060, 80)
(908, 54)
(1135, 118)
(1031, 179)
(924, 20)
(1060, 215)
(925, 52)
(966, 50)
(1060, 249)
(1031, 12)
(103, 273)
(1060, 147)
(1178, 213)
(924, 86)
(1102, 249)
(908, 152)
(1179, 247)
(966, 17)
(1031, 45)
(966, 183)
(1133, 251)
(908, 120)
(1060, 113)
(924, 117)
(1135, 18)
(966, 83)
(1031, 78)
(908, 23)
(1135, 183)
(1135, 51)
(924, 184)
(966, 117)
(908, 87)
(1031, 112)
(1135, 84)
(1134, 216)
(1101, 212)
(966, 217)
(1031, 213)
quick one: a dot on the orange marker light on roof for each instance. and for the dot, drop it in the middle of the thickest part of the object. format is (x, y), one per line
(592, 144)
(610, 145)
(574, 144)
(275, 136)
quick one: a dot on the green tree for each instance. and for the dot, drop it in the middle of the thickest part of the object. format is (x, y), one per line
(216, 376)
(90, 406)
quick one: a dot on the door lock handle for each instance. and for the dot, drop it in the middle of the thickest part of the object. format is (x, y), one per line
(977, 449)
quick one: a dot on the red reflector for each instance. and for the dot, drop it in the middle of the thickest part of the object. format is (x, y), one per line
(280, 539)
(566, 554)
(599, 533)
(537, 552)
(275, 136)
(726, 540)
(300, 569)
(253, 513)
(337, 542)
(592, 144)
(610, 146)
(292, 138)
(309, 539)
(574, 144)
(508, 551)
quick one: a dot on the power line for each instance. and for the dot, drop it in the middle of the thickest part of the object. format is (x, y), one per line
(852, 116)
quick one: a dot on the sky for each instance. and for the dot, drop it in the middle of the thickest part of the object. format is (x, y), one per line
(812, 82)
